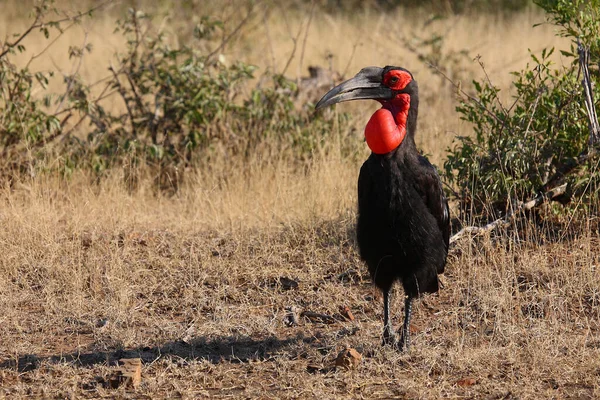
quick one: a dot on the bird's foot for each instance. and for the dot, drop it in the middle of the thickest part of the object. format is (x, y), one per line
(390, 341)
(389, 338)
(404, 342)
(399, 345)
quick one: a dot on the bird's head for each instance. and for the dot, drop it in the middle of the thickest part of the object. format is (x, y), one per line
(374, 83)
(396, 90)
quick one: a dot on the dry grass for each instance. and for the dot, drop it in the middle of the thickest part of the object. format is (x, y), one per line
(190, 284)
(94, 274)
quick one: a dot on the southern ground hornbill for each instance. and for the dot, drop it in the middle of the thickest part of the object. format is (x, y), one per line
(403, 222)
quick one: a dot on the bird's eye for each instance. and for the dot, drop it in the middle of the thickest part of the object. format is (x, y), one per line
(393, 80)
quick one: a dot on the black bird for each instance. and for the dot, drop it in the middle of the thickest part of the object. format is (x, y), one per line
(403, 224)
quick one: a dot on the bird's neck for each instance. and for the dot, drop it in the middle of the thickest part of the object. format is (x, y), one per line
(391, 125)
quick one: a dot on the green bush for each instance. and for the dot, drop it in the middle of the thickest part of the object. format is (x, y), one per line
(24, 124)
(177, 109)
(516, 149)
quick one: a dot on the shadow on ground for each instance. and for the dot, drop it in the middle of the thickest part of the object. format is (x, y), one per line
(228, 349)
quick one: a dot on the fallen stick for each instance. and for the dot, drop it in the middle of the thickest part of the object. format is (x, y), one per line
(476, 230)
(318, 317)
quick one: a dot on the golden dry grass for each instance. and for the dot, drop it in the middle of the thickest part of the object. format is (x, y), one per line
(95, 274)
(191, 283)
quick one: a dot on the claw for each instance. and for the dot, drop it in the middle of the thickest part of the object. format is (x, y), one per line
(404, 342)
(389, 338)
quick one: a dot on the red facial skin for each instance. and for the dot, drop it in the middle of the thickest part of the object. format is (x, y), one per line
(387, 127)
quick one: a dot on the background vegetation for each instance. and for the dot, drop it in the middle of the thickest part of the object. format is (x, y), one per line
(525, 146)
(168, 192)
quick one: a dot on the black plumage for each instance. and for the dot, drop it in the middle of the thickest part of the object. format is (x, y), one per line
(403, 225)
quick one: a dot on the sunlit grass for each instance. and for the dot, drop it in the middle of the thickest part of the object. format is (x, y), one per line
(91, 272)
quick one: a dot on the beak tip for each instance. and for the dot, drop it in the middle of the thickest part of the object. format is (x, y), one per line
(321, 103)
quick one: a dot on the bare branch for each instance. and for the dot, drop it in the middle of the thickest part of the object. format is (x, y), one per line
(354, 46)
(123, 94)
(537, 201)
(49, 45)
(463, 93)
(295, 40)
(489, 81)
(312, 10)
(594, 138)
(269, 41)
(8, 46)
(584, 56)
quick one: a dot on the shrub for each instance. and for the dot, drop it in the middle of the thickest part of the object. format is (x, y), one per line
(517, 149)
(24, 124)
(180, 108)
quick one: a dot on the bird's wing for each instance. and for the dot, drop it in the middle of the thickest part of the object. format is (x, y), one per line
(365, 201)
(433, 195)
(364, 184)
(370, 212)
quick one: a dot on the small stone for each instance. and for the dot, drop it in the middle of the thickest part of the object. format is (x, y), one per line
(346, 313)
(348, 359)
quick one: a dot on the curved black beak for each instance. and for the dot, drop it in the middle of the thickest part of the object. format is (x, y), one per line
(367, 84)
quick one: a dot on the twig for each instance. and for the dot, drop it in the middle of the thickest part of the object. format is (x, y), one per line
(232, 34)
(123, 94)
(487, 78)
(295, 40)
(354, 46)
(8, 46)
(584, 55)
(318, 317)
(74, 72)
(270, 42)
(462, 92)
(310, 17)
(49, 45)
(138, 98)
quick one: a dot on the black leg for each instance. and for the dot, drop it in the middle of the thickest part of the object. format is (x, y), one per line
(405, 333)
(388, 330)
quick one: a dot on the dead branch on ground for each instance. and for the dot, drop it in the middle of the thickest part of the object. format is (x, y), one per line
(505, 221)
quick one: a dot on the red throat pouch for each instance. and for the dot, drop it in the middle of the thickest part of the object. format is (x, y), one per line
(384, 131)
